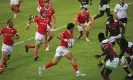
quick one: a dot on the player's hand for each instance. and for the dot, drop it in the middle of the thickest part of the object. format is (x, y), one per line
(97, 56)
(100, 64)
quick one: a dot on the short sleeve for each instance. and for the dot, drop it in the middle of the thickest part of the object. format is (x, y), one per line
(88, 14)
(36, 19)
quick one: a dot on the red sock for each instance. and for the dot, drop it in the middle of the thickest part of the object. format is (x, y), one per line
(75, 67)
(48, 65)
(35, 52)
(31, 46)
(1, 68)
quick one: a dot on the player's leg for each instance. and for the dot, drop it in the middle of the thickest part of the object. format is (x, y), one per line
(20, 1)
(50, 64)
(80, 34)
(74, 63)
(3, 60)
(124, 61)
(107, 73)
(27, 47)
(108, 12)
(99, 15)
(37, 46)
(50, 37)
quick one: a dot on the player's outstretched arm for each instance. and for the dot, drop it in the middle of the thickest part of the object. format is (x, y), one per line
(30, 21)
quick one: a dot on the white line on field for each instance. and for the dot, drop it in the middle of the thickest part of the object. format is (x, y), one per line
(54, 30)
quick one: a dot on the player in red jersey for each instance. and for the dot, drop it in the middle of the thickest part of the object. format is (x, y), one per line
(111, 59)
(42, 28)
(66, 38)
(10, 34)
(41, 4)
(51, 15)
(14, 7)
(83, 24)
(116, 30)
(126, 61)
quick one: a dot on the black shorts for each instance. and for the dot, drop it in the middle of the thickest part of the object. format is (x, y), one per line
(123, 20)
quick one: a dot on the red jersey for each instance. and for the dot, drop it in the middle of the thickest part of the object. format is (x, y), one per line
(113, 28)
(82, 18)
(108, 49)
(8, 33)
(66, 35)
(49, 12)
(41, 3)
(42, 25)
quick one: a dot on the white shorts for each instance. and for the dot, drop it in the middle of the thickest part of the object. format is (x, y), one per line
(114, 38)
(14, 2)
(104, 7)
(81, 28)
(85, 6)
(7, 48)
(112, 64)
(39, 38)
(61, 51)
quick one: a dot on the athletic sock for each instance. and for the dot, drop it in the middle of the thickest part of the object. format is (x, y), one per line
(31, 46)
(35, 53)
(48, 65)
(75, 68)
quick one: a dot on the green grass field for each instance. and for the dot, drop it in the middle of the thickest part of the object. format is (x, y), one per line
(21, 66)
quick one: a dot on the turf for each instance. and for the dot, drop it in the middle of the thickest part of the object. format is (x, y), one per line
(21, 65)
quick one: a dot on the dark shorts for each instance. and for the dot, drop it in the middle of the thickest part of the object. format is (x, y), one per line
(123, 20)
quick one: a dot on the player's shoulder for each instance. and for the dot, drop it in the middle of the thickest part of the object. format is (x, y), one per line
(117, 5)
(130, 44)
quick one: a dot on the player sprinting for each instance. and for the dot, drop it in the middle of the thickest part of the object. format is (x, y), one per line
(42, 28)
(10, 34)
(126, 61)
(85, 3)
(116, 30)
(66, 40)
(50, 12)
(82, 23)
(14, 7)
(111, 60)
(104, 7)
(121, 12)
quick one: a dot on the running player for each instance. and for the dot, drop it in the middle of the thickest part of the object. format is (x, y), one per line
(66, 38)
(111, 60)
(82, 21)
(104, 7)
(84, 3)
(20, 1)
(14, 7)
(126, 61)
(121, 12)
(42, 28)
(114, 27)
(10, 34)
(50, 12)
